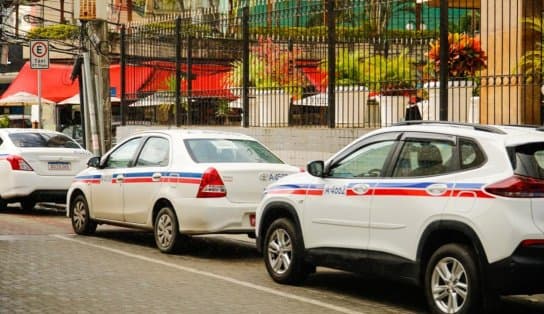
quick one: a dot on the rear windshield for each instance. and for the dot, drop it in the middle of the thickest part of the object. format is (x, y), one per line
(528, 160)
(226, 150)
(39, 139)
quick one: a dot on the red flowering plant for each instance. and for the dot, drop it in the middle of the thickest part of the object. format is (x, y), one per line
(271, 65)
(465, 56)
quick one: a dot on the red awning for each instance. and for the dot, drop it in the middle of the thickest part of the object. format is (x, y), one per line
(56, 83)
(317, 77)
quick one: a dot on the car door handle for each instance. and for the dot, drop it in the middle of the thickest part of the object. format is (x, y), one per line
(119, 178)
(437, 189)
(156, 177)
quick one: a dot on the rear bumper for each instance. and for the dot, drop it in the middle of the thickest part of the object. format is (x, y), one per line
(521, 273)
(18, 185)
(215, 215)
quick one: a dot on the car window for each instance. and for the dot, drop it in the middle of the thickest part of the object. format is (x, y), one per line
(424, 158)
(229, 150)
(471, 154)
(124, 154)
(156, 152)
(529, 160)
(367, 161)
(41, 139)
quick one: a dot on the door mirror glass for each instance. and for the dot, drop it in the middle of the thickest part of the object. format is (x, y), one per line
(315, 168)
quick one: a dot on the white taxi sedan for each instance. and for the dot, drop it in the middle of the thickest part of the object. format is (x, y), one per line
(37, 166)
(176, 182)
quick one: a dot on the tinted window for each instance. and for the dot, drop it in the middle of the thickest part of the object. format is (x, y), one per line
(123, 155)
(156, 152)
(529, 160)
(227, 150)
(367, 161)
(38, 139)
(424, 158)
(471, 155)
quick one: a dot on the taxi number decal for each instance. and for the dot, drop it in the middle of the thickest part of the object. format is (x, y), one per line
(335, 190)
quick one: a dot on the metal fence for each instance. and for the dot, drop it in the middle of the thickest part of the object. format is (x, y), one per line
(269, 64)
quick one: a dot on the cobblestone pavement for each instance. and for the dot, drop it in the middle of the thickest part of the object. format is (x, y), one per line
(45, 268)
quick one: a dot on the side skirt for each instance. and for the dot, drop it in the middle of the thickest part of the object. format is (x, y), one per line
(366, 262)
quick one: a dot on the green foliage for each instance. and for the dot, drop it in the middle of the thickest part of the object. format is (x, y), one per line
(389, 74)
(57, 31)
(271, 66)
(349, 70)
(343, 33)
(531, 61)
(4, 121)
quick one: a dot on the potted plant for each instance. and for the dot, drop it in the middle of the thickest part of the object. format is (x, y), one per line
(274, 81)
(465, 59)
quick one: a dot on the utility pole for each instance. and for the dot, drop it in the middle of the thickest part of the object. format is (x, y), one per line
(93, 16)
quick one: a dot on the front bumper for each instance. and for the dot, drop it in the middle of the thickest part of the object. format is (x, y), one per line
(521, 273)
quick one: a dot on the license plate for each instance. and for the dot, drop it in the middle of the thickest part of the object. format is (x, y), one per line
(59, 165)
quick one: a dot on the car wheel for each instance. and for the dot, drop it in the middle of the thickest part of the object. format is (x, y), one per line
(81, 219)
(28, 205)
(3, 204)
(452, 281)
(166, 230)
(284, 253)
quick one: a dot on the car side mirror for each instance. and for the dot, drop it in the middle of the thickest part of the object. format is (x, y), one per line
(94, 162)
(316, 168)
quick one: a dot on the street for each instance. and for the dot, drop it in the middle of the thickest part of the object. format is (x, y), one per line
(46, 268)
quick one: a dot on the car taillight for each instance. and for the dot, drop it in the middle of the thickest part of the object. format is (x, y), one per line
(517, 187)
(211, 185)
(18, 163)
(532, 243)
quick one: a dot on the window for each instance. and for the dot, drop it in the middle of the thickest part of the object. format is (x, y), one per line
(424, 158)
(227, 150)
(156, 152)
(529, 160)
(123, 155)
(368, 161)
(471, 155)
(39, 139)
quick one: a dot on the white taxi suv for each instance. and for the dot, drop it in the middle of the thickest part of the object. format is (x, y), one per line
(176, 182)
(454, 208)
(37, 166)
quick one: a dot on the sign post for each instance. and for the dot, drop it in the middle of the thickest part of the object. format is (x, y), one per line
(39, 59)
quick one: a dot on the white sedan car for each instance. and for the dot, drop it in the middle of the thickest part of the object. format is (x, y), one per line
(37, 166)
(176, 182)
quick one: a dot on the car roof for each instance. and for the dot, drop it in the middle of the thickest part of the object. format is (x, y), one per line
(508, 135)
(197, 133)
(25, 130)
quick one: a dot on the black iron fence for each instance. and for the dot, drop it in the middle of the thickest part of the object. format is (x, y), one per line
(336, 63)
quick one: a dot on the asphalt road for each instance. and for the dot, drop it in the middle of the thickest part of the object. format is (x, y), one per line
(45, 268)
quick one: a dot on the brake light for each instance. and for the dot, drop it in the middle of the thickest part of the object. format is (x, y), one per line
(518, 187)
(532, 242)
(211, 185)
(18, 163)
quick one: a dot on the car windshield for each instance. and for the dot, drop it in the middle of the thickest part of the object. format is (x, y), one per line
(528, 160)
(42, 139)
(229, 150)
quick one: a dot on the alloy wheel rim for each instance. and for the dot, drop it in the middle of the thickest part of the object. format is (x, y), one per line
(280, 251)
(164, 230)
(449, 284)
(79, 215)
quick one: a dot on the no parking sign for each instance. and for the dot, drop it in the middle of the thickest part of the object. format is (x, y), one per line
(39, 54)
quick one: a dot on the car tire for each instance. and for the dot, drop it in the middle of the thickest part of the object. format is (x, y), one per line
(3, 204)
(283, 253)
(28, 205)
(452, 281)
(81, 219)
(167, 236)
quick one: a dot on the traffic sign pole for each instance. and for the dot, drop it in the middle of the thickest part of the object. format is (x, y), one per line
(39, 59)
